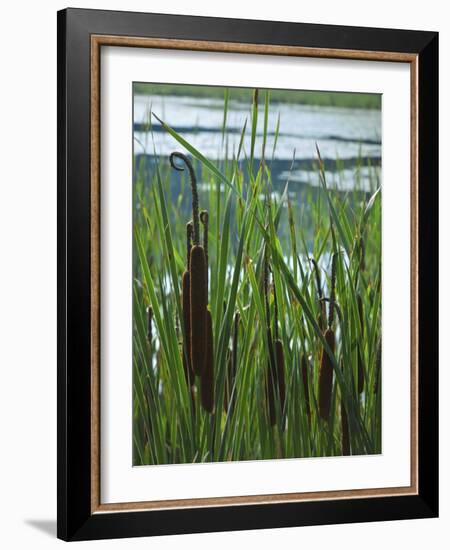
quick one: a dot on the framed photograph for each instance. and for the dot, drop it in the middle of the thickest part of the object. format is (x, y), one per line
(247, 255)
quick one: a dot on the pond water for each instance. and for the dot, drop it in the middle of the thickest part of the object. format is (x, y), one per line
(350, 136)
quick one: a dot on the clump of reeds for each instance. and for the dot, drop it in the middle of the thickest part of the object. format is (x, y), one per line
(326, 363)
(244, 361)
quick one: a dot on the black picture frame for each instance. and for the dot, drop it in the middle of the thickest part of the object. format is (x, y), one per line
(75, 518)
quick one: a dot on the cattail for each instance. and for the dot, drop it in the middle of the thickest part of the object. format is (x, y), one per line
(326, 376)
(198, 308)
(304, 368)
(345, 434)
(197, 275)
(326, 363)
(207, 379)
(360, 352)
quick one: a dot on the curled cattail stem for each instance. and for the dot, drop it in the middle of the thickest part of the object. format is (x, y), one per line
(326, 376)
(193, 181)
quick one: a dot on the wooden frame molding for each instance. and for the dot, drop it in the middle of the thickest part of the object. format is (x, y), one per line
(96, 43)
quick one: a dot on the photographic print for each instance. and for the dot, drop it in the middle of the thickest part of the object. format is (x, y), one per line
(256, 274)
(244, 306)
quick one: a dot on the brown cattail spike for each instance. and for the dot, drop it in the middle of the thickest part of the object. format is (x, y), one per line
(207, 380)
(198, 308)
(322, 317)
(326, 376)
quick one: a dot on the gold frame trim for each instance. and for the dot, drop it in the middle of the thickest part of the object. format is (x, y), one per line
(97, 41)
